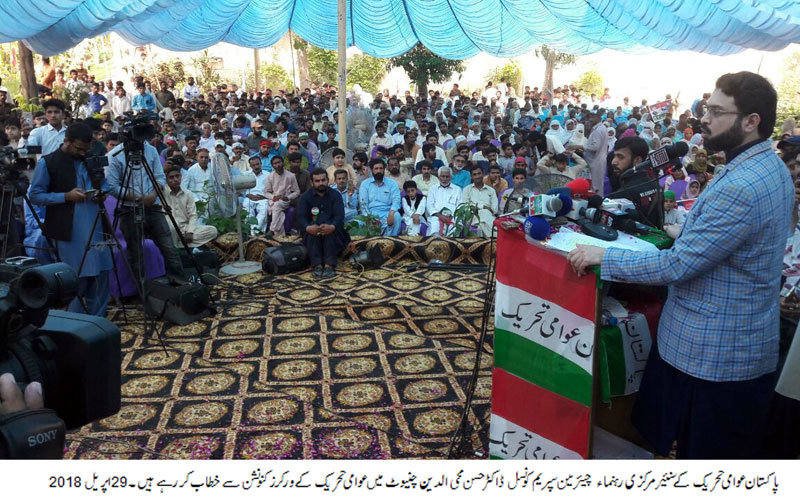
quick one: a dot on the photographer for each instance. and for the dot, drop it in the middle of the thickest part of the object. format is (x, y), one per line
(62, 182)
(140, 193)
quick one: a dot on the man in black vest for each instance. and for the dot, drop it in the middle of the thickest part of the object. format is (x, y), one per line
(320, 215)
(62, 183)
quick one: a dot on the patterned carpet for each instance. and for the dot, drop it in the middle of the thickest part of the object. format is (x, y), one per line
(370, 364)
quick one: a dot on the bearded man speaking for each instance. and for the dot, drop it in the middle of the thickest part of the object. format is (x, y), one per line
(709, 380)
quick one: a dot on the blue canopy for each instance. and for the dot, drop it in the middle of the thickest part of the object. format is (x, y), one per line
(454, 29)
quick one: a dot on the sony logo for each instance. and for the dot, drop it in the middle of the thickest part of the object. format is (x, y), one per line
(41, 438)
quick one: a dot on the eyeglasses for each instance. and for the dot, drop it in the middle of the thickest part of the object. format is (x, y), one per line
(716, 111)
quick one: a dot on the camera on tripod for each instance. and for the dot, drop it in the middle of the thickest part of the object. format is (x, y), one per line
(76, 357)
(12, 162)
(96, 169)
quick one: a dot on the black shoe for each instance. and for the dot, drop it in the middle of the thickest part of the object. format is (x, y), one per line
(328, 272)
(319, 272)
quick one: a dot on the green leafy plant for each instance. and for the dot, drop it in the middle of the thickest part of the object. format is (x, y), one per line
(163, 71)
(462, 220)
(366, 71)
(212, 217)
(322, 65)
(423, 67)
(72, 98)
(590, 82)
(205, 67)
(274, 77)
(27, 106)
(364, 225)
(510, 72)
(788, 97)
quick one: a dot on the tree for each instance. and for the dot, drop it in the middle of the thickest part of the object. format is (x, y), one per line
(274, 77)
(788, 96)
(322, 65)
(511, 73)
(366, 71)
(205, 67)
(163, 71)
(423, 67)
(554, 60)
(590, 82)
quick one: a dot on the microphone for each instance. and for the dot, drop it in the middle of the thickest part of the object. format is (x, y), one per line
(537, 228)
(673, 151)
(579, 187)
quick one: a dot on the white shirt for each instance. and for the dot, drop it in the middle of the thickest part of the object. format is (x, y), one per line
(194, 179)
(260, 181)
(191, 92)
(483, 198)
(207, 143)
(47, 137)
(423, 186)
(409, 211)
(440, 197)
(120, 105)
(440, 155)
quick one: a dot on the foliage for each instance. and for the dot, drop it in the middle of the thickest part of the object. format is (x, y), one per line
(364, 225)
(8, 73)
(559, 59)
(366, 71)
(26, 106)
(590, 82)
(511, 73)
(462, 220)
(206, 75)
(222, 223)
(72, 98)
(423, 66)
(274, 77)
(788, 97)
(322, 65)
(163, 71)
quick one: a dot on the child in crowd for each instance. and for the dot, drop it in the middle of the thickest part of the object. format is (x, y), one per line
(413, 209)
(674, 217)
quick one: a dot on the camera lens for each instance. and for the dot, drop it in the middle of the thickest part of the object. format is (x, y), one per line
(53, 286)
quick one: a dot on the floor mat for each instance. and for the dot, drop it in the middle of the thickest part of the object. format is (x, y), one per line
(370, 364)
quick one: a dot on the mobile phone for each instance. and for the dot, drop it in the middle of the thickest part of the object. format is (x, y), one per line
(90, 193)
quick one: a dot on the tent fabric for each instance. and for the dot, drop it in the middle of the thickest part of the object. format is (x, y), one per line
(455, 29)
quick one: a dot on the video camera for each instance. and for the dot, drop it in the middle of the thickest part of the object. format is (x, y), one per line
(136, 130)
(12, 162)
(76, 357)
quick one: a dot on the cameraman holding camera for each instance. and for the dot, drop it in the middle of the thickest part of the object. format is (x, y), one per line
(62, 183)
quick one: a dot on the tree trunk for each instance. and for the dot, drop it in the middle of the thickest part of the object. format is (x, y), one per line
(26, 72)
(256, 68)
(547, 87)
(302, 68)
(422, 89)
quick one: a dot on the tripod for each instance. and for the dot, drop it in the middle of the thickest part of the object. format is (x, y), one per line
(131, 197)
(11, 240)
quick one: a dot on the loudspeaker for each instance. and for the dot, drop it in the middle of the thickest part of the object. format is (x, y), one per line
(176, 301)
(368, 259)
(284, 259)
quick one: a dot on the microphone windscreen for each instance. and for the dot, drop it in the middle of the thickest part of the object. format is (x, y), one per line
(595, 201)
(566, 205)
(677, 150)
(559, 190)
(579, 187)
(537, 228)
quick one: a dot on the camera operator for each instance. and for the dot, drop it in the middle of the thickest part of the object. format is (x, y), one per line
(141, 192)
(61, 182)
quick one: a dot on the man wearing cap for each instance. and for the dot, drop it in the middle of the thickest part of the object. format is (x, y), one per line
(674, 217)
(255, 201)
(788, 145)
(311, 149)
(257, 134)
(239, 160)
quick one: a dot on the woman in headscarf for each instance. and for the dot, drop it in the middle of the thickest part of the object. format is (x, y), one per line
(647, 133)
(555, 144)
(612, 139)
(646, 122)
(569, 130)
(578, 139)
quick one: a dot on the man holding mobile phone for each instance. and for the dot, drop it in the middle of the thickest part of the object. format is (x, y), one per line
(61, 182)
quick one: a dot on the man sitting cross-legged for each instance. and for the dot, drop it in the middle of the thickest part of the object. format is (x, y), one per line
(320, 215)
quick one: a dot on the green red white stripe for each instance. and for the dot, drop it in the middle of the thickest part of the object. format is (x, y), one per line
(544, 348)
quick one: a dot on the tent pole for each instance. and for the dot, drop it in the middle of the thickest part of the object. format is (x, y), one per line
(342, 84)
(256, 67)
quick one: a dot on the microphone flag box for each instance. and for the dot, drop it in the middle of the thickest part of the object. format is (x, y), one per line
(544, 205)
(659, 157)
(618, 206)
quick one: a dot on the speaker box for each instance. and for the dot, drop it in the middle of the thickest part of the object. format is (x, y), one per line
(176, 302)
(284, 259)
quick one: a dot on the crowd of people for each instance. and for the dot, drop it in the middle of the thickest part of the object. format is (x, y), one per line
(428, 155)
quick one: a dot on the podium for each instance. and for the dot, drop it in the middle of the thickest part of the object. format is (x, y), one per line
(553, 361)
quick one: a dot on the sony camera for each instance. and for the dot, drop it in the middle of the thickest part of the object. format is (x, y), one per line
(13, 161)
(76, 357)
